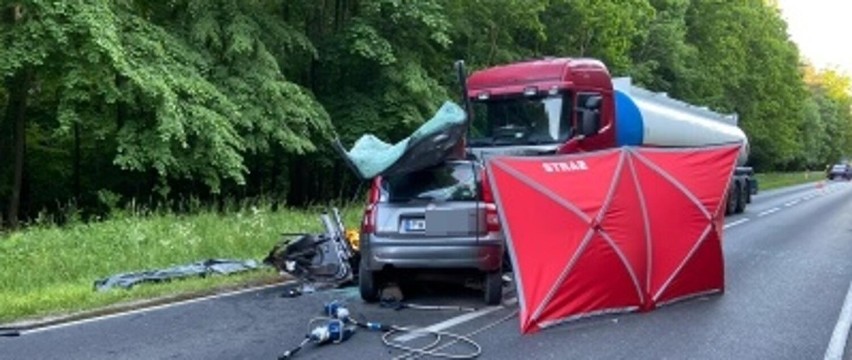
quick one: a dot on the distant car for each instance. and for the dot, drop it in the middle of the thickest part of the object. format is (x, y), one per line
(441, 218)
(840, 171)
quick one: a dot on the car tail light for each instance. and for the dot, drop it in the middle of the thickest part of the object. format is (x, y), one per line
(368, 223)
(368, 226)
(492, 219)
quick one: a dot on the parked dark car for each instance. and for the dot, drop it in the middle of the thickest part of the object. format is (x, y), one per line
(440, 218)
(840, 171)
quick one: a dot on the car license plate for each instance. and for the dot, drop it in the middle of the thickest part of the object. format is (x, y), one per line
(415, 225)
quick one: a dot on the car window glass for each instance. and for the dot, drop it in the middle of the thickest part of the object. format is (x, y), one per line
(449, 182)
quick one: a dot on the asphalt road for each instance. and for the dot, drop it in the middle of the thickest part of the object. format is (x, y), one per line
(788, 271)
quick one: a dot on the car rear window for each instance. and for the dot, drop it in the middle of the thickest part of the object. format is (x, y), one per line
(455, 181)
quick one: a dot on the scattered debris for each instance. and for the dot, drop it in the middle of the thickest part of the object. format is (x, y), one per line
(391, 297)
(354, 239)
(317, 261)
(391, 293)
(337, 325)
(9, 332)
(201, 268)
(399, 305)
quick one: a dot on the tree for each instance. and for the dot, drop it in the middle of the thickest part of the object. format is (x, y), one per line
(18, 70)
(607, 30)
(374, 73)
(487, 33)
(749, 66)
(830, 91)
(190, 98)
(227, 98)
(663, 60)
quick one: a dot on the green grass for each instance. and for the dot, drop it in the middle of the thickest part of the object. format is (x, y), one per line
(48, 270)
(768, 181)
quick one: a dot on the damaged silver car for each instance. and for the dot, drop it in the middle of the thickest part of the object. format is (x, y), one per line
(442, 217)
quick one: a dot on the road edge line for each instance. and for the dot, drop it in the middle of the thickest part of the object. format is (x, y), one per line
(837, 345)
(142, 308)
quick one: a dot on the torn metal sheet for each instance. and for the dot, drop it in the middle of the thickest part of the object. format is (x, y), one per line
(428, 146)
(317, 261)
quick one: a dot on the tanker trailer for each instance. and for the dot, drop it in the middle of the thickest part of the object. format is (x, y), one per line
(646, 118)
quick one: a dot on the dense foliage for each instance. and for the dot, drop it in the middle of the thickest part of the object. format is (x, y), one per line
(107, 101)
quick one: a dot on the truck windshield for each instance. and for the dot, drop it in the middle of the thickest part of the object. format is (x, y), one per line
(520, 121)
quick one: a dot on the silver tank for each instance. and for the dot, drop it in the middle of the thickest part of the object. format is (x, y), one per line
(654, 119)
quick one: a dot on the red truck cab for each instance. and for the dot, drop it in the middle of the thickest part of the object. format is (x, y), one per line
(564, 86)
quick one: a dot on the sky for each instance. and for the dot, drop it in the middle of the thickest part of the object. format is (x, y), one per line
(822, 29)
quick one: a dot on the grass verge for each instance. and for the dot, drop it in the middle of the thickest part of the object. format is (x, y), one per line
(769, 181)
(49, 270)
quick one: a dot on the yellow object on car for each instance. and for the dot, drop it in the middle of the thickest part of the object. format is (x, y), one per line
(354, 238)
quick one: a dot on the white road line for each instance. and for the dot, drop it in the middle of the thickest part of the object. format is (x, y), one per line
(791, 203)
(841, 330)
(735, 223)
(767, 212)
(147, 309)
(446, 324)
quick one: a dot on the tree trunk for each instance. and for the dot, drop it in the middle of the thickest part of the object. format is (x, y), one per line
(336, 189)
(16, 114)
(256, 175)
(6, 139)
(296, 193)
(338, 17)
(76, 171)
(120, 105)
(320, 186)
(285, 11)
(274, 176)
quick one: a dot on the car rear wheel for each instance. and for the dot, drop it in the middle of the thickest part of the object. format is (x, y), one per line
(367, 283)
(493, 287)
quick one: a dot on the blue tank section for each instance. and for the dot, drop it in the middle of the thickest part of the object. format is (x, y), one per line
(629, 127)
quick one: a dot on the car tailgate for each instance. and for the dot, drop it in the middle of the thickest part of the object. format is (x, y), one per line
(450, 219)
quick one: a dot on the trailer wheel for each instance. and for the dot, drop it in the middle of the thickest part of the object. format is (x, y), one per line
(741, 199)
(748, 189)
(731, 200)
